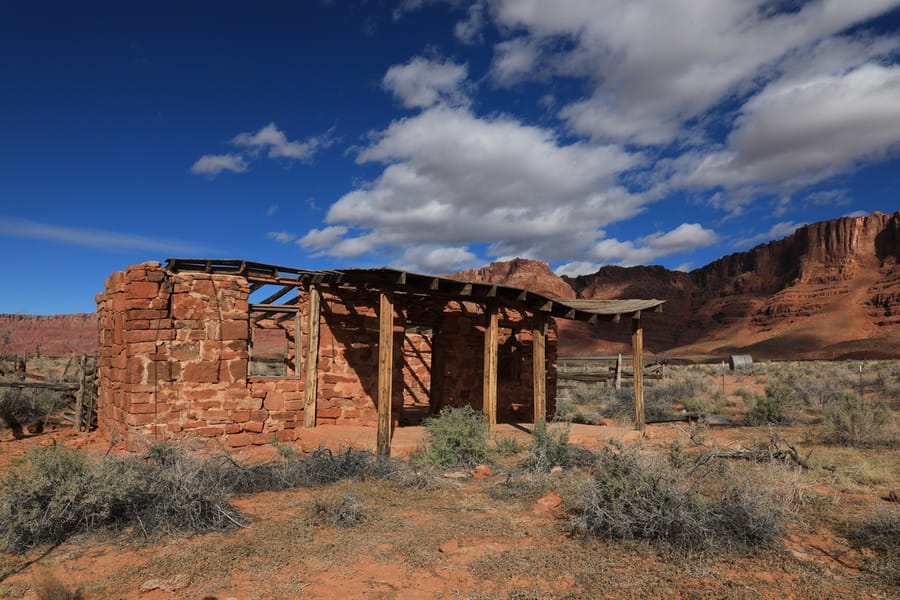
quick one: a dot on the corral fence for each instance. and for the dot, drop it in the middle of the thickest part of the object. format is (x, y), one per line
(601, 369)
(72, 378)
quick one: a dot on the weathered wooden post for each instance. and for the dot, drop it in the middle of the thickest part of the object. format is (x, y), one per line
(637, 345)
(311, 374)
(385, 372)
(490, 367)
(539, 370)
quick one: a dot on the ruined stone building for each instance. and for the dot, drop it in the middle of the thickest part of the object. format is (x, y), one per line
(249, 352)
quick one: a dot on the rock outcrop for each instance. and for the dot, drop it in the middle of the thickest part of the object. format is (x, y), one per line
(51, 334)
(830, 290)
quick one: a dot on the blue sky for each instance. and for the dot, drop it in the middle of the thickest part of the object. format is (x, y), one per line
(432, 135)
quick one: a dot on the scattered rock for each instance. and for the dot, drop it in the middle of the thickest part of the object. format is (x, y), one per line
(606, 421)
(547, 503)
(456, 475)
(449, 547)
(555, 470)
(172, 584)
(482, 471)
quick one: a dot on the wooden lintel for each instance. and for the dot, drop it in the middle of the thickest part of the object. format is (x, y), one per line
(490, 367)
(311, 374)
(637, 346)
(539, 363)
(385, 372)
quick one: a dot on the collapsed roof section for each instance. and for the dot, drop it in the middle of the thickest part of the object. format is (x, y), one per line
(260, 275)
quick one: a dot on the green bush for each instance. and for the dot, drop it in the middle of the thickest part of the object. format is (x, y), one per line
(20, 408)
(860, 422)
(775, 407)
(551, 448)
(456, 438)
(508, 446)
(635, 496)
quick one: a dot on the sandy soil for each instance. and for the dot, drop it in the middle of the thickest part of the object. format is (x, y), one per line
(455, 540)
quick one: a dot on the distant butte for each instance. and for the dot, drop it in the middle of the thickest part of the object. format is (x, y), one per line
(830, 290)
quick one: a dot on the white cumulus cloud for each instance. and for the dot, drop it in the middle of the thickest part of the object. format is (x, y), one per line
(422, 82)
(211, 165)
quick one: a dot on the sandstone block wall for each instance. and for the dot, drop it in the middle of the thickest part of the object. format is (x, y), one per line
(175, 351)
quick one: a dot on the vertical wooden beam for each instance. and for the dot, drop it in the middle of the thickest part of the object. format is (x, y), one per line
(491, 337)
(385, 372)
(298, 344)
(619, 372)
(637, 346)
(539, 363)
(311, 360)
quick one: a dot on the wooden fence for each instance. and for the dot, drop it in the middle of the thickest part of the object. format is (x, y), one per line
(74, 375)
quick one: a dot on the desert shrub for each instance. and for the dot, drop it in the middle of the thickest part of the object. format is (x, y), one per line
(635, 496)
(60, 494)
(880, 533)
(20, 408)
(550, 448)
(64, 492)
(691, 391)
(456, 438)
(346, 510)
(320, 467)
(183, 494)
(48, 586)
(508, 446)
(521, 486)
(860, 422)
(774, 407)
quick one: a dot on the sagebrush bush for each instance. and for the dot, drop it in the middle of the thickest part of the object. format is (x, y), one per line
(550, 448)
(64, 492)
(775, 407)
(456, 438)
(860, 422)
(635, 496)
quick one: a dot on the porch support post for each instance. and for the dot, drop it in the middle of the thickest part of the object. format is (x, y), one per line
(311, 363)
(539, 367)
(385, 371)
(490, 367)
(637, 346)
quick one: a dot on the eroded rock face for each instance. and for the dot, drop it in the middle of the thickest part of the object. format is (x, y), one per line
(522, 273)
(53, 334)
(830, 289)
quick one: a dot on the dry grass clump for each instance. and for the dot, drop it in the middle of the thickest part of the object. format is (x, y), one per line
(344, 510)
(635, 496)
(48, 586)
(880, 533)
